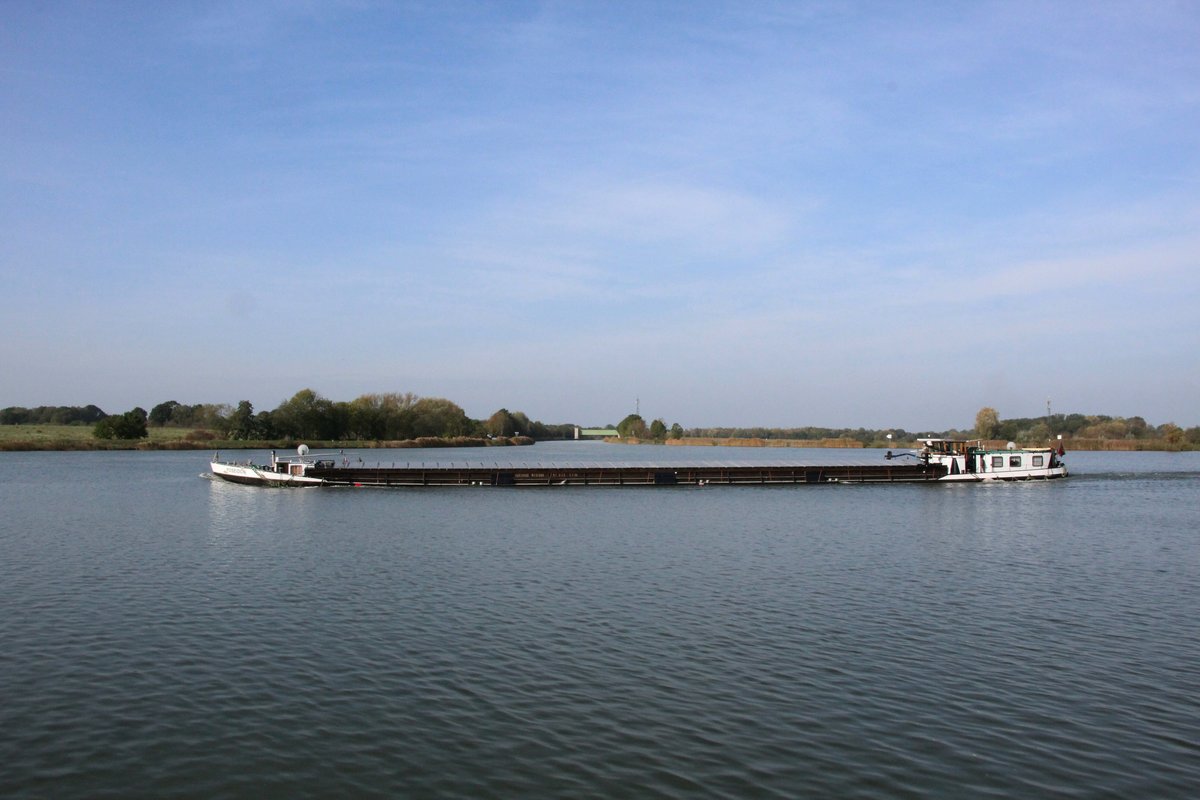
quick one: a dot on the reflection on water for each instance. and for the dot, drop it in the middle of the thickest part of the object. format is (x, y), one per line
(233, 507)
(165, 634)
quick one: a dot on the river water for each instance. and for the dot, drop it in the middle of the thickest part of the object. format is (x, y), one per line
(166, 635)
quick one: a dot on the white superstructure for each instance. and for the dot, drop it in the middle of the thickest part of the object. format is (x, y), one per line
(285, 471)
(973, 461)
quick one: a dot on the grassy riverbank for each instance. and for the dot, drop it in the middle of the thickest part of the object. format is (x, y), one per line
(79, 437)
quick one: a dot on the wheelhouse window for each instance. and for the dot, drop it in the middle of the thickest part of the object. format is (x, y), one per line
(1014, 461)
(1038, 461)
(997, 462)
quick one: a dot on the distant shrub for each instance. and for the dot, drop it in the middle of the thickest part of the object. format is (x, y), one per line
(200, 436)
(130, 425)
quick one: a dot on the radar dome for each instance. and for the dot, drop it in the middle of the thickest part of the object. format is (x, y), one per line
(302, 450)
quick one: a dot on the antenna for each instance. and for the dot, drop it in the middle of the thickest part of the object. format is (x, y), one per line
(637, 406)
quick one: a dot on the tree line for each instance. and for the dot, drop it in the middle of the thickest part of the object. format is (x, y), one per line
(989, 425)
(634, 426)
(378, 417)
(305, 415)
(51, 415)
(406, 416)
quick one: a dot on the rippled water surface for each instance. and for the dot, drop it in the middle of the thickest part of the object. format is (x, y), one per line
(162, 634)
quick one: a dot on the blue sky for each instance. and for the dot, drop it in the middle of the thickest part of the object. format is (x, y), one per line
(743, 213)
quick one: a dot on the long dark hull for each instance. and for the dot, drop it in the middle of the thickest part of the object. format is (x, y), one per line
(625, 475)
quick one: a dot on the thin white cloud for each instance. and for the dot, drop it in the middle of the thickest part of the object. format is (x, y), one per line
(1155, 266)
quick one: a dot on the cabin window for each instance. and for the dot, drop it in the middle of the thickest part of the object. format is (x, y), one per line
(1038, 460)
(1014, 461)
(997, 462)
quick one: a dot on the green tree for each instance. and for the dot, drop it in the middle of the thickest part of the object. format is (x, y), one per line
(436, 416)
(501, 423)
(186, 416)
(241, 422)
(1172, 433)
(381, 416)
(14, 415)
(51, 415)
(367, 420)
(658, 430)
(160, 415)
(264, 425)
(307, 415)
(676, 431)
(987, 423)
(130, 425)
(1038, 432)
(398, 416)
(525, 426)
(632, 425)
(202, 415)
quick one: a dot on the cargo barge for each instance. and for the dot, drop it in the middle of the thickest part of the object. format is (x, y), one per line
(336, 469)
(939, 460)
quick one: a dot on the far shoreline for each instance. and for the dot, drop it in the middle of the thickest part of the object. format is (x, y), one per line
(1078, 445)
(86, 443)
(55, 441)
